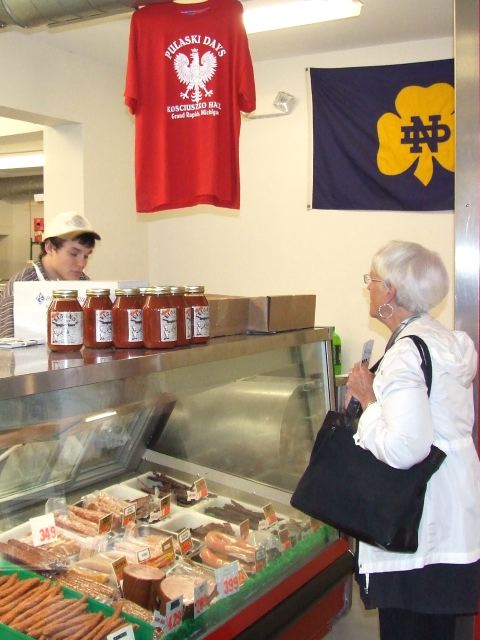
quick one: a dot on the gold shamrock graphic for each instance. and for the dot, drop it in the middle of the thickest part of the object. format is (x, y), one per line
(422, 130)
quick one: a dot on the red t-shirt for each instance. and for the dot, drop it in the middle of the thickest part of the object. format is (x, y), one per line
(189, 75)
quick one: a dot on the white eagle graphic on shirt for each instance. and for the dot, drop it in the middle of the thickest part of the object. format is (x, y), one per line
(195, 73)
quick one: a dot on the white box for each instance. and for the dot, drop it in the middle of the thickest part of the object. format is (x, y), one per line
(32, 299)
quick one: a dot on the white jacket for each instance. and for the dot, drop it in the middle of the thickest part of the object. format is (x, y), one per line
(399, 429)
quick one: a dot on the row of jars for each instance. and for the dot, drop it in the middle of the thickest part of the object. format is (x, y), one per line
(152, 317)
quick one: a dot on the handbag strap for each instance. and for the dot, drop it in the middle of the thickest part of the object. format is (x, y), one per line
(354, 408)
(426, 364)
(426, 360)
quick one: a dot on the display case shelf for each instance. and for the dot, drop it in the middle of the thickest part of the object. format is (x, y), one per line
(240, 413)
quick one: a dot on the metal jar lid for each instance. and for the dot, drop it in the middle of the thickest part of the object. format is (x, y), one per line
(127, 292)
(177, 290)
(157, 291)
(98, 292)
(194, 289)
(65, 293)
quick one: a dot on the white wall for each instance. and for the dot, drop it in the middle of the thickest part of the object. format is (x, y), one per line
(16, 220)
(274, 245)
(88, 144)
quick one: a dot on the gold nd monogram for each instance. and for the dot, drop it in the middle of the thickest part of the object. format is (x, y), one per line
(422, 130)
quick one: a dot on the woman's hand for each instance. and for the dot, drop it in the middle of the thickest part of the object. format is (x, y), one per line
(360, 385)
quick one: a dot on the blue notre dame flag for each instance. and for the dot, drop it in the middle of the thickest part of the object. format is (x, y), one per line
(384, 137)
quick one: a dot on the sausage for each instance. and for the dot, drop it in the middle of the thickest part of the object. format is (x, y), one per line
(53, 595)
(101, 630)
(87, 514)
(230, 546)
(73, 611)
(76, 524)
(211, 559)
(79, 633)
(22, 587)
(37, 596)
(44, 615)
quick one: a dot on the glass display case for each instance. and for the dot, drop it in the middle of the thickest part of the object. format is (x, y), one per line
(238, 414)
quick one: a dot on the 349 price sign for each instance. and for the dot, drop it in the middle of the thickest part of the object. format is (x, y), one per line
(43, 529)
(228, 579)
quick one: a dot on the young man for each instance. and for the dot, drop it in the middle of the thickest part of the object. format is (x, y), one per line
(69, 242)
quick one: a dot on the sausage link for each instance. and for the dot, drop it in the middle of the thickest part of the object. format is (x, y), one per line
(37, 596)
(50, 598)
(23, 587)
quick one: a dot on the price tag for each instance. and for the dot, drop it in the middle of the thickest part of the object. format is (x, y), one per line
(118, 566)
(227, 579)
(184, 538)
(143, 555)
(129, 514)
(200, 598)
(165, 505)
(167, 556)
(260, 559)
(269, 513)
(201, 488)
(105, 524)
(242, 576)
(43, 529)
(172, 618)
(125, 633)
(285, 540)
(192, 496)
(245, 529)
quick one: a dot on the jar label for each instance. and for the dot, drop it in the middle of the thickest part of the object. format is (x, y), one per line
(188, 323)
(135, 325)
(103, 325)
(168, 325)
(201, 321)
(66, 327)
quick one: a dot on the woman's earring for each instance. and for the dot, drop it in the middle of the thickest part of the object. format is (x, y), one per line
(385, 311)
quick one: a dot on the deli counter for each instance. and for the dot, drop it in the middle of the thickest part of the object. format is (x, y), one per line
(231, 423)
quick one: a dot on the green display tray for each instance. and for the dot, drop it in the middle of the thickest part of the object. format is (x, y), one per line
(289, 561)
(144, 631)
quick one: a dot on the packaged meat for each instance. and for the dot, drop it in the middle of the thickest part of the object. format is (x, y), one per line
(141, 585)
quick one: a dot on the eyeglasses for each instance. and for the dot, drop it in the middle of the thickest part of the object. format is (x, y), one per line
(367, 278)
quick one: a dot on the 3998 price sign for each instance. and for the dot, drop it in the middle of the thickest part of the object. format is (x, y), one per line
(227, 579)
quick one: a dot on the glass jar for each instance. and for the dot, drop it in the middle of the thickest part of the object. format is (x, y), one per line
(178, 299)
(65, 321)
(97, 319)
(159, 319)
(127, 319)
(200, 319)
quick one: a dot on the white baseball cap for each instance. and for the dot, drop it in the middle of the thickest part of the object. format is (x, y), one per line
(68, 225)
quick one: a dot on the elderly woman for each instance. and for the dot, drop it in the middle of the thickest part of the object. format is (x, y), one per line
(419, 595)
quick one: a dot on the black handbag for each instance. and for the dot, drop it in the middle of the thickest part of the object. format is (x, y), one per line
(349, 488)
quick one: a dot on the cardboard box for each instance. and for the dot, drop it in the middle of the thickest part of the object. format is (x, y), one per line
(268, 314)
(228, 314)
(32, 299)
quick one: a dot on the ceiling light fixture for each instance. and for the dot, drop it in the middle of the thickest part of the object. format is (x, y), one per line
(297, 13)
(22, 160)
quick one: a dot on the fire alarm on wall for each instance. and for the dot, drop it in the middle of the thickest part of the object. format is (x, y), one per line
(38, 224)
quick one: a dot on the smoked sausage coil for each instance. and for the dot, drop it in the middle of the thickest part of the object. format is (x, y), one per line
(230, 546)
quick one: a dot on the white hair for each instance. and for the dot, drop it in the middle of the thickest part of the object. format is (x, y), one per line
(418, 274)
